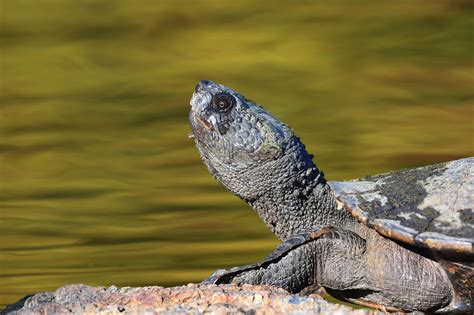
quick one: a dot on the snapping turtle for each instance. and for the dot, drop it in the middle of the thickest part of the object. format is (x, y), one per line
(396, 241)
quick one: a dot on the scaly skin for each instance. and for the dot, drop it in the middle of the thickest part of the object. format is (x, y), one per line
(258, 158)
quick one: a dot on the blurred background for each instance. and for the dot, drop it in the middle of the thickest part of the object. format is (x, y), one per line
(99, 181)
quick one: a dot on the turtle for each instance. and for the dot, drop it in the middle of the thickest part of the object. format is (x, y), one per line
(400, 241)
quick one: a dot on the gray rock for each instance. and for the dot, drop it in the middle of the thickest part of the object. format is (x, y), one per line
(189, 299)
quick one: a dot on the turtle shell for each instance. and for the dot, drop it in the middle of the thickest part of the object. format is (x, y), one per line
(430, 206)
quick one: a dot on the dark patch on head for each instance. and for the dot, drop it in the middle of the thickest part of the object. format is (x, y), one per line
(223, 128)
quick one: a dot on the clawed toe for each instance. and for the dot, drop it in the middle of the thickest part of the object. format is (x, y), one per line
(215, 276)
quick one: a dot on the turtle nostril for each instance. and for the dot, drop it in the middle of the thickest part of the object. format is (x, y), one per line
(196, 88)
(201, 84)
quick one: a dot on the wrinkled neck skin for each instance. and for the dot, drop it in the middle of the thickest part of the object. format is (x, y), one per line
(290, 193)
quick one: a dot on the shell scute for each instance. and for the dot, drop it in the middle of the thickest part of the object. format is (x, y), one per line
(430, 206)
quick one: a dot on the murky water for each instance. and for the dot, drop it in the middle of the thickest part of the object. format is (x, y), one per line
(99, 182)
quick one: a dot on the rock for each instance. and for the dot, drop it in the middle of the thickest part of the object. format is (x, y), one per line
(189, 299)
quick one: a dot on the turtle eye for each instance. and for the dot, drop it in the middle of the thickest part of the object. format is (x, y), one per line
(223, 102)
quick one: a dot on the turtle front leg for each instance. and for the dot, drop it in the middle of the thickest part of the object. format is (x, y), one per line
(328, 256)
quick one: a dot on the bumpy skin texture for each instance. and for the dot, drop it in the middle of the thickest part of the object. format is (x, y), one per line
(258, 158)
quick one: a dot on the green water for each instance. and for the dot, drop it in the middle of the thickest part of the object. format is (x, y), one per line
(99, 181)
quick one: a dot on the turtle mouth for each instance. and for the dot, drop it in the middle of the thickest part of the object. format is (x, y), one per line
(204, 123)
(199, 126)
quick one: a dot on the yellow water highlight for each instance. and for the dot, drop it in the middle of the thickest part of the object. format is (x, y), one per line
(99, 181)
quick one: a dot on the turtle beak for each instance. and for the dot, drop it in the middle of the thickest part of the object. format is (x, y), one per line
(204, 123)
(199, 126)
(199, 101)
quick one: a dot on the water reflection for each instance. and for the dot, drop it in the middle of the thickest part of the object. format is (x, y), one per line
(100, 183)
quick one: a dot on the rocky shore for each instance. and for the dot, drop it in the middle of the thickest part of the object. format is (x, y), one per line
(189, 299)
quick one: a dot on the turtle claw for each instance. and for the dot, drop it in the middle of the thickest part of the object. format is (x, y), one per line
(215, 277)
(226, 276)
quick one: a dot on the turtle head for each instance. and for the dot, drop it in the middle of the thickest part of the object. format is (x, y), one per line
(235, 136)
(231, 130)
